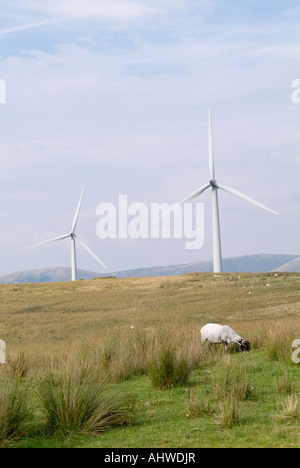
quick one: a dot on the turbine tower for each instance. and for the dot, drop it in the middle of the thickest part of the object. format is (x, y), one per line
(73, 238)
(215, 186)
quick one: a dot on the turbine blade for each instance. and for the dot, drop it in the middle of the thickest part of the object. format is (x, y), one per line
(211, 163)
(90, 252)
(245, 197)
(77, 212)
(49, 240)
(185, 200)
(194, 194)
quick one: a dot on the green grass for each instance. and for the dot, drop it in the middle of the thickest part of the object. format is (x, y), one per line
(166, 370)
(15, 413)
(77, 401)
(141, 336)
(163, 418)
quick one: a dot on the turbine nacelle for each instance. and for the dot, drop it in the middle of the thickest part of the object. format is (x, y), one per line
(214, 183)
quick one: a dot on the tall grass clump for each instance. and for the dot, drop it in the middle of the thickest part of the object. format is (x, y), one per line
(279, 340)
(166, 369)
(135, 350)
(14, 410)
(284, 383)
(124, 356)
(288, 410)
(18, 365)
(199, 404)
(229, 413)
(77, 400)
(233, 382)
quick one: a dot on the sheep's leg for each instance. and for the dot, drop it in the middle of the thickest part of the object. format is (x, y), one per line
(209, 344)
(226, 345)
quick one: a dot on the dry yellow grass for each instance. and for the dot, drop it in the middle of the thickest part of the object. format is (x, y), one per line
(58, 317)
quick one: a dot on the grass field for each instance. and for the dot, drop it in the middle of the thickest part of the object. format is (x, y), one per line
(118, 363)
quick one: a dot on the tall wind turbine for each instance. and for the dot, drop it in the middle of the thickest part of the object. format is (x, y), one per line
(215, 186)
(73, 238)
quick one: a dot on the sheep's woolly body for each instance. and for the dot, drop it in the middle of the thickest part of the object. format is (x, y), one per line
(216, 334)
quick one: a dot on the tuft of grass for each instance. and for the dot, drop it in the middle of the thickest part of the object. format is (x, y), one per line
(199, 405)
(18, 365)
(279, 340)
(77, 400)
(288, 410)
(14, 410)
(166, 369)
(125, 356)
(229, 413)
(233, 382)
(284, 383)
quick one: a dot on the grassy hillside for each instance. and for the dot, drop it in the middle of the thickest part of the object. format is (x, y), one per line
(125, 328)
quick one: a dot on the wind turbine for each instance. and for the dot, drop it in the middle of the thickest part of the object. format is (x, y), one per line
(215, 186)
(73, 238)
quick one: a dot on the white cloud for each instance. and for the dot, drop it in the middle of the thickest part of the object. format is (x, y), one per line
(113, 9)
(24, 27)
(50, 12)
(286, 51)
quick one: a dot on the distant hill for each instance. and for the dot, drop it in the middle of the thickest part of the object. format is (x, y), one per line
(246, 264)
(45, 275)
(292, 267)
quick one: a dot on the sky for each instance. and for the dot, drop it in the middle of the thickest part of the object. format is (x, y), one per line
(114, 95)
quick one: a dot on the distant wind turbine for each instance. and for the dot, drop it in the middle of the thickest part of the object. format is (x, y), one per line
(217, 251)
(73, 238)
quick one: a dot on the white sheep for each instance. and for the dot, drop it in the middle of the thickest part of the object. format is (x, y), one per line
(216, 334)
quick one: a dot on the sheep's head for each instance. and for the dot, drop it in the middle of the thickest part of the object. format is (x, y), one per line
(245, 345)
